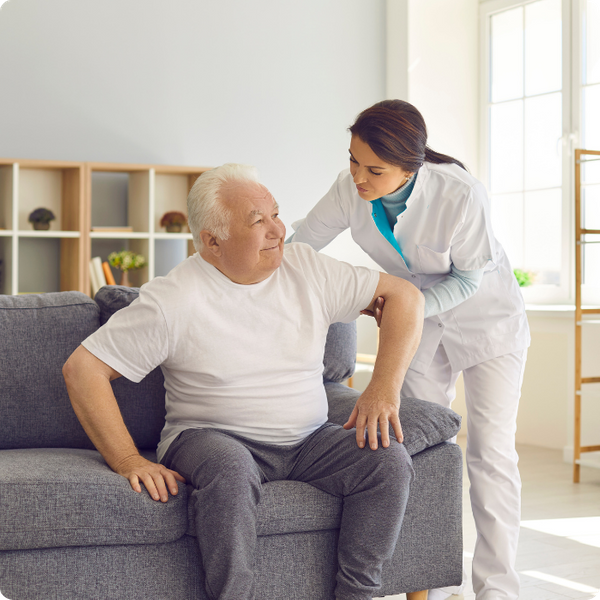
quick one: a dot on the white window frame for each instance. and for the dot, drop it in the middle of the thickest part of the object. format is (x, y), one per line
(571, 88)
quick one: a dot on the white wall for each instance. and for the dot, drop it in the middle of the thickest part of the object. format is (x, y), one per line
(274, 83)
(443, 74)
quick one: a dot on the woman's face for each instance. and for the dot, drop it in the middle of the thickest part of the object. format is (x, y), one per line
(372, 176)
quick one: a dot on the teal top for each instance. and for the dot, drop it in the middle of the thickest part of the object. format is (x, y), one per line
(386, 210)
(394, 204)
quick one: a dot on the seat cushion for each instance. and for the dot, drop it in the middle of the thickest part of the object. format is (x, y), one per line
(70, 497)
(288, 507)
(57, 498)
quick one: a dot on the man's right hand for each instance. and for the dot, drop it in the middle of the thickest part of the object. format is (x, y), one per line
(88, 383)
(157, 478)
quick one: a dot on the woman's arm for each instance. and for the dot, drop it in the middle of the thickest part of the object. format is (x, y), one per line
(324, 222)
(457, 287)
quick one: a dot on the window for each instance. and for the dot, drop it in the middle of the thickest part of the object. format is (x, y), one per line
(590, 138)
(532, 111)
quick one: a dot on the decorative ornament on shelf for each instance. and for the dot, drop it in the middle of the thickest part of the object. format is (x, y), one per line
(173, 221)
(41, 217)
(126, 261)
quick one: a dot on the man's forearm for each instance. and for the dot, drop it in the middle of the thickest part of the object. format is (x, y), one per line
(88, 383)
(399, 337)
(96, 408)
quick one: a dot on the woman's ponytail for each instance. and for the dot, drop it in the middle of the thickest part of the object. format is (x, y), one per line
(395, 130)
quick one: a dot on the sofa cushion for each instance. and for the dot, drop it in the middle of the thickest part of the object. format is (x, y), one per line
(339, 359)
(288, 507)
(37, 335)
(424, 424)
(57, 498)
(70, 497)
(340, 348)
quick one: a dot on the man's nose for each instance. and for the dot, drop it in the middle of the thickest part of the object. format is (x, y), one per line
(277, 229)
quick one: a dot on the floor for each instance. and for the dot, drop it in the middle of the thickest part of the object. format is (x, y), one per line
(559, 547)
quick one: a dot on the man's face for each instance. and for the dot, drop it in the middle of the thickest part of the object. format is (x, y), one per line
(254, 249)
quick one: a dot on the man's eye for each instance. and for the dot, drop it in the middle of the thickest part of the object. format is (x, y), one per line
(276, 216)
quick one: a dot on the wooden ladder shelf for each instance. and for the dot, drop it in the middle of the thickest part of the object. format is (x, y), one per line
(580, 313)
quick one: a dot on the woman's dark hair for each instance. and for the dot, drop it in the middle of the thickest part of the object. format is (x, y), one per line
(395, 130)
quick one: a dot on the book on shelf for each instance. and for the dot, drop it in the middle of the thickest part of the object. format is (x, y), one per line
(124, 229)
(97, 278)
(110, 280)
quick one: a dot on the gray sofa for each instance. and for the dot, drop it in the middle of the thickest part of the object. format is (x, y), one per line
(70, 528)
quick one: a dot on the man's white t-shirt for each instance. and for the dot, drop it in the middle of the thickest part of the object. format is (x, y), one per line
(243, 358)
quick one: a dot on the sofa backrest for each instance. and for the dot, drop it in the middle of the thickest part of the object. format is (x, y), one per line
(37, 335)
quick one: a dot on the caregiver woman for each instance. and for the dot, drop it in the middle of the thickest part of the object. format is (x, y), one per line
(421, 216)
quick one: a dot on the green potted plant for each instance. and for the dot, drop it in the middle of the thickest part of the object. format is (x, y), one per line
(41, 217)
(173, 221)
(126, 261)
(524, 278)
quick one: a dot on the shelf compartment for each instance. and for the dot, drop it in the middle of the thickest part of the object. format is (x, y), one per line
(39, 269)
(119, 197)
(170, 194)
(7, 200)
(6, 265)
(57, 188)
(103, 246)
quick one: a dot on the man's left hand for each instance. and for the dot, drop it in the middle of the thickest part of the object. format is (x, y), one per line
(376, 407)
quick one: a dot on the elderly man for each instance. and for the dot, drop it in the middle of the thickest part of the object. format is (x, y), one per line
(239, 331)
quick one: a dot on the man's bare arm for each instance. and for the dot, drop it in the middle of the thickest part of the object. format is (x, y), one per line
(88, 383)
(400, 332)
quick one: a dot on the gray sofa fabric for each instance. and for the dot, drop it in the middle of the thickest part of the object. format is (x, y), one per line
(428, 554)
(37, 335)
(423, 424)
(72, 528)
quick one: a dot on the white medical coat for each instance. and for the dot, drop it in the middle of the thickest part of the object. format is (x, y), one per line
(446, 221)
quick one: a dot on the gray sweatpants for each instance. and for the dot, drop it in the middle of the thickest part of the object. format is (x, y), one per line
(227, 471)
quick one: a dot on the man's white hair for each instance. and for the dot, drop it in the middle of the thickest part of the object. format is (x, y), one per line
(205, 206)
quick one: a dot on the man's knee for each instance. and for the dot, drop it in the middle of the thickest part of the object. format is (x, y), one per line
(393, 462)
(218, 460)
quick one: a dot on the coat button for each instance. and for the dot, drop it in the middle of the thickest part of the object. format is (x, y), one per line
(439, 324)
(413, 276)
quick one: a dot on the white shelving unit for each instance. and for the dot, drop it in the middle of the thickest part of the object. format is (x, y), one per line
(41, 261)
(150, 191)
(58, 259)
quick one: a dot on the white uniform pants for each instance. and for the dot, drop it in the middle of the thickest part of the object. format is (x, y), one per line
(492, 392)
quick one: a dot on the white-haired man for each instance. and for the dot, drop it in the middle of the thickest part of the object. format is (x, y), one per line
(239, 331)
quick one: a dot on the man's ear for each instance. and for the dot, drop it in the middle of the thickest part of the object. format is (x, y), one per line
(210, 242)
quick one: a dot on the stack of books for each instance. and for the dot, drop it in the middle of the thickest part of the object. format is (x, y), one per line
(100, 274)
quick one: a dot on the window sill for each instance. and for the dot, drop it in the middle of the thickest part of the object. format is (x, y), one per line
(554, 311)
